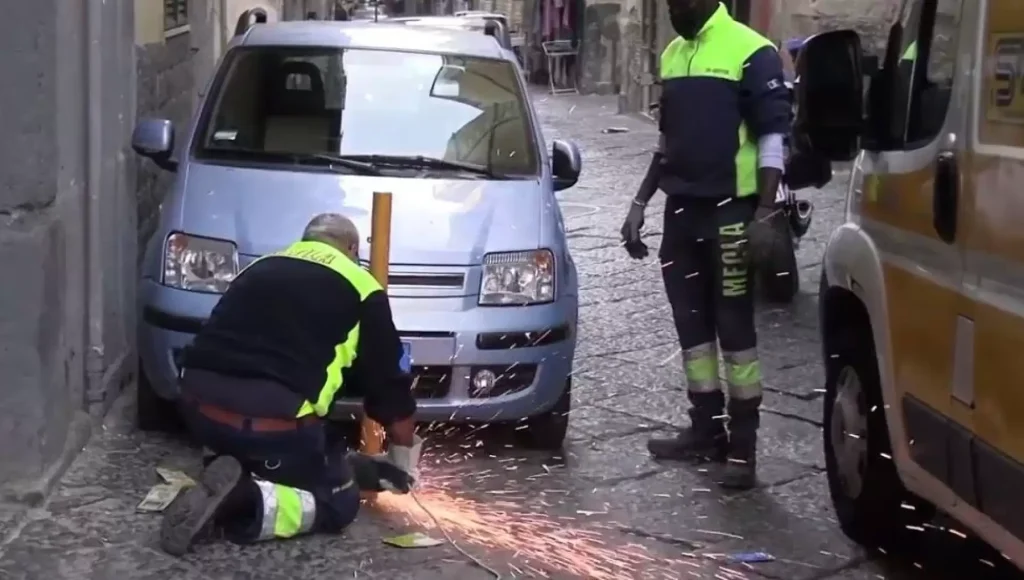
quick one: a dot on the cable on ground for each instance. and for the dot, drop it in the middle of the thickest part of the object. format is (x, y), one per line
(454, 544)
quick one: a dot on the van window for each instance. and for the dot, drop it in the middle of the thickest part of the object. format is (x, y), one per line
(273, 104)
(927, 64)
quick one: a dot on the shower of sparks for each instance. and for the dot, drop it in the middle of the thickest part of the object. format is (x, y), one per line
(535, 543)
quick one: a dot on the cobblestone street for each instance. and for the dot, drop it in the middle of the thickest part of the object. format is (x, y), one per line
(603, 509)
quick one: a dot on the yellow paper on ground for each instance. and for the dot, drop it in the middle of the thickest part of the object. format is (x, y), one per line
(413, 540)
(159, 497)
(174, 477)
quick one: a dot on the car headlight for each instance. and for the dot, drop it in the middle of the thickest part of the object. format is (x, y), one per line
(199, 264)
(518, 278)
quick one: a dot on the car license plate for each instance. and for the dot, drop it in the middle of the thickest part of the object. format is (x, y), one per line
(406, 363)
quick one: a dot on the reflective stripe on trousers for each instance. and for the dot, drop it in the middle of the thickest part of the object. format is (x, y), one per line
(287, 511)
(700, 364)
(742, 374)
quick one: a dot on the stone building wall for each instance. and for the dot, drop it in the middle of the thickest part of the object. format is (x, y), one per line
(801, 18)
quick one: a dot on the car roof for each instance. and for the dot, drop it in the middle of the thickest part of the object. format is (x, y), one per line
(479, 14)
(382, 35)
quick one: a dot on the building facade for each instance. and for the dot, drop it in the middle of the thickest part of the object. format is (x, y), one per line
(623, 39)
(77, 205)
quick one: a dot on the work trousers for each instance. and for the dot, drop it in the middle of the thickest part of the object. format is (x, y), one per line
(709, 284)
(299, 481)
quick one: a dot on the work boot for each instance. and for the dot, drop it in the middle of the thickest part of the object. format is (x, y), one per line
(188, 515)
(704, 440)
(741, 464)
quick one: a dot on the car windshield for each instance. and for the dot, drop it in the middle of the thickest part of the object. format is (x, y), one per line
(305, 106)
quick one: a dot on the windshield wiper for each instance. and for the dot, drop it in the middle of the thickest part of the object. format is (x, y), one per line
(362, 167)
(420, 162)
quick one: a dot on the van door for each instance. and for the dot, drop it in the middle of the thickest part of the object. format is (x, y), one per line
(995, 263)
(923, 261)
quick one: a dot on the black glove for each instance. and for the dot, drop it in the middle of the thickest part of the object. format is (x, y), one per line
(378, 474)
(637, 250)
(634, 245)
(633, 223)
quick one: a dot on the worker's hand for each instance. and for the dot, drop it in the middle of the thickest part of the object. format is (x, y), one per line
(764, 213)
(633, 224)
(637, 250)
(376, 473)
(397, 471)
(406, 459)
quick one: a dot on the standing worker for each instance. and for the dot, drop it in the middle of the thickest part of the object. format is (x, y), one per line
(725, 112)
(294, 330)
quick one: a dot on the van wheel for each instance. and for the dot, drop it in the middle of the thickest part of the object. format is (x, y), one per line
(547, 431)
(776, 269)
(153, 412)
(871, 503)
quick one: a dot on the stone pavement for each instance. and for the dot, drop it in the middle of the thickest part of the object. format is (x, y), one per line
(602, 509)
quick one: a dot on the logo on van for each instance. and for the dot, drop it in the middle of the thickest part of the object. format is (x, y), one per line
(1005, 101)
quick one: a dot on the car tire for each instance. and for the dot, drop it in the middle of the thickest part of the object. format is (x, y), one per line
(870, 501)
(776, 268)
(547, 431)
(152, 412)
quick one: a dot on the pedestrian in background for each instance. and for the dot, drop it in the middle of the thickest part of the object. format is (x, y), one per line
(724, 114)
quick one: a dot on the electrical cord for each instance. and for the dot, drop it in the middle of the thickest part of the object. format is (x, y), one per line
(458, 548)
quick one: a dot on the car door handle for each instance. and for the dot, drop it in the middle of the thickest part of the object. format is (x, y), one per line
(946, 196)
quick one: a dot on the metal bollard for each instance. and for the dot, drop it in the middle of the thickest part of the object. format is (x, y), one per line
(371, 433)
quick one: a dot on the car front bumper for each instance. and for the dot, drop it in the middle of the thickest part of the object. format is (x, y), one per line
(528, 348)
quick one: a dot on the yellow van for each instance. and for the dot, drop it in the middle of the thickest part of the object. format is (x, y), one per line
(922, 289)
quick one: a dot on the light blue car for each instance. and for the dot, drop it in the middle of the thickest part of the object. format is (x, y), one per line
(310, 117)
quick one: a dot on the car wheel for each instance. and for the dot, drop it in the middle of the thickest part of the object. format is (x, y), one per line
(153, 412)
(547, 431)
(775, 262)
(871, 503)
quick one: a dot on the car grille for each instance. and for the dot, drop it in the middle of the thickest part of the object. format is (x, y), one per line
(432, 382)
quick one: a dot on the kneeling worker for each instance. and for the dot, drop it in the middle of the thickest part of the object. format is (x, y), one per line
(294, 330)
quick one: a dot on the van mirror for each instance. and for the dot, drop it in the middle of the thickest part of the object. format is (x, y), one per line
(154, 138)
(830, 95)
(566, 163)
(447, 82)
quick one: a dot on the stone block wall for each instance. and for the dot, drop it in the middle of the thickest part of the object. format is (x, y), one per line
(801, 18)
(66, 230)
(602, 46)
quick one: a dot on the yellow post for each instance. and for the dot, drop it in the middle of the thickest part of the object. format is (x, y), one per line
(372, 435)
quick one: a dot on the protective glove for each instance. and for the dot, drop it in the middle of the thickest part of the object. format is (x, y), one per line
(633, 223)
(630, 231)
(764, 213)
(397, 471)
(763, 232)
(637, 250)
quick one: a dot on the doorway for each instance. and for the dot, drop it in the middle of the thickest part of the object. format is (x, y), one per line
(740, 10)
(650, 90)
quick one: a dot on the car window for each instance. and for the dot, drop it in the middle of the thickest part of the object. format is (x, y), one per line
(276, 100)
(927, 64)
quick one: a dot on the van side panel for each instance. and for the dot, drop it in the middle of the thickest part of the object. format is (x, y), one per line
(995, 240)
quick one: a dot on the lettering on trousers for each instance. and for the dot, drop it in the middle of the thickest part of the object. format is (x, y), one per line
(733, 246)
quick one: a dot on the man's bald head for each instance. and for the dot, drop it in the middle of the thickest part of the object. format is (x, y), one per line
(334, 230)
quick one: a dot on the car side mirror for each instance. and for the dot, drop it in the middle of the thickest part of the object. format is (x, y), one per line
(830, 95)
(566, 163)
(154, 138)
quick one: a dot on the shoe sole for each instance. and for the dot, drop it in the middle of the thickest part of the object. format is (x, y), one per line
(692, 457)
(738, 486)
(187, 515)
